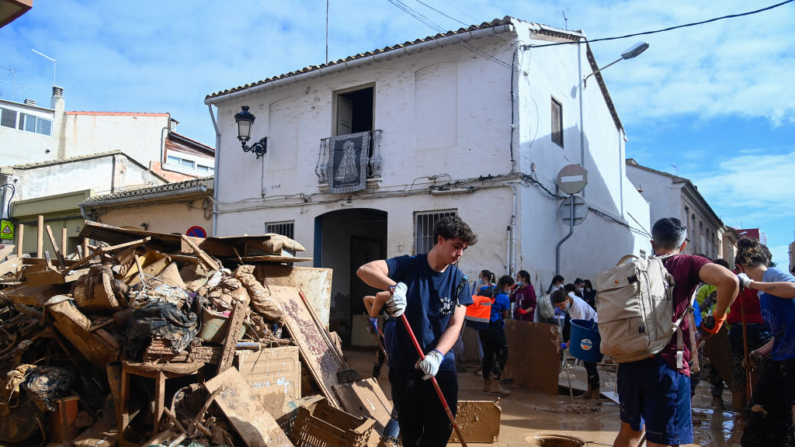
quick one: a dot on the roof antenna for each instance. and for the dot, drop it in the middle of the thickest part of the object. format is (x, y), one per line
(327, 1)
(53, 64)
(564, 13)
(676, 170)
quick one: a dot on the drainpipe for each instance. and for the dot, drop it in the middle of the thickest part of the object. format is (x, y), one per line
(571, 230)
(512, 232)
(217, 163)
(163, 145)
(582, 122)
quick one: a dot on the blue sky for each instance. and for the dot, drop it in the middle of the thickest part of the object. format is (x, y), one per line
(715, 101)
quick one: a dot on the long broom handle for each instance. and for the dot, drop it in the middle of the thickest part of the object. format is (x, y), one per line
(435, 383)
(748, 386)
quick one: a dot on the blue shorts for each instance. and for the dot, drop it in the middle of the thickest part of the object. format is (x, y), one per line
(650, 392)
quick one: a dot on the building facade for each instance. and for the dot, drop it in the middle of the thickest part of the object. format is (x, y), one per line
(473, 123)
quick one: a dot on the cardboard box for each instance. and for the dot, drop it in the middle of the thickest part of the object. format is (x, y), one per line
(274, 374)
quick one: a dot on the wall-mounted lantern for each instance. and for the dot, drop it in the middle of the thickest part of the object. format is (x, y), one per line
(244, 121)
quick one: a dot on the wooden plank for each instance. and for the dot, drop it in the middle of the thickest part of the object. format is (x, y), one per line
(5, 250)
(256, 427)
(315, 282)
(203, 257)
(273, 258)
(479, 421)
(11, 266)
(54, 244)
(45, 278)
(40, 238)
(64, 240)
(533, 365)
(105, 250)
(20, 239)
(317, 355)
(365, 398)
(32, 296)
(233, 332)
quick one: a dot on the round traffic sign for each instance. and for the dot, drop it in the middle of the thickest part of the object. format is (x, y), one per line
(580, 210)
(196, 232)
(572, 179)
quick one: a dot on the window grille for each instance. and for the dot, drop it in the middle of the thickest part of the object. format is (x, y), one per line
(286, 228)
(423, 229)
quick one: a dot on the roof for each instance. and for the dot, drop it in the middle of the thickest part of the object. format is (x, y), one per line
(117, 113)
(67, 160)
(676, 179)
(192, 141)
(485, 25)
(169, 187)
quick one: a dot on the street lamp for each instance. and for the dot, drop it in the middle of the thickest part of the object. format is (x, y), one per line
(633, 51)
(244, 121)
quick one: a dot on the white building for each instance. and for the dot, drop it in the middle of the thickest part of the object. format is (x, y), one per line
(473, 122)
(674, 196)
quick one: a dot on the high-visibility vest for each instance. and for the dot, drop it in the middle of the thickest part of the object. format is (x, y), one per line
(479, 312)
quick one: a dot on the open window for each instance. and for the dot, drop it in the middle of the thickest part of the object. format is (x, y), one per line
(354, 111)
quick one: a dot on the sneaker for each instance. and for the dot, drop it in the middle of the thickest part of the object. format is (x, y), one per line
(486, 385)
(497, 389)
(478, 372)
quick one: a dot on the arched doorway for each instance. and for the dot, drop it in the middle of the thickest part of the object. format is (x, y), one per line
(345, 240)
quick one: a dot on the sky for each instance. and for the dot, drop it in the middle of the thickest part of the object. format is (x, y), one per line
(713, 103)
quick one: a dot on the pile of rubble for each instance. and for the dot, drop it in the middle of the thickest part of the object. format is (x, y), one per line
(161, 339)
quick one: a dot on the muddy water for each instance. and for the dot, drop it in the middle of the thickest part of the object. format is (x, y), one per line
(524, 416)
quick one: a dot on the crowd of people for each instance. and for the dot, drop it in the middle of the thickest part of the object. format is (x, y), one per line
(426, 299)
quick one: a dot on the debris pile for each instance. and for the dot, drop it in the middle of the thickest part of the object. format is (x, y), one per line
(160, 339)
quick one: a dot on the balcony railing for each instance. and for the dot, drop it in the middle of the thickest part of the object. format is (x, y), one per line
(325, 158)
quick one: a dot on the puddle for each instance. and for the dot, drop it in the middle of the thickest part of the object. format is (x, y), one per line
(554, 441)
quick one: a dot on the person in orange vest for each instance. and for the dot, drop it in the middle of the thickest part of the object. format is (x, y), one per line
(492, 338)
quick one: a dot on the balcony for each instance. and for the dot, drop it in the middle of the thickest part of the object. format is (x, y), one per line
(349, 150)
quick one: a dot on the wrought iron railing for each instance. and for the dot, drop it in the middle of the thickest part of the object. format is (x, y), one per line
(325, 159)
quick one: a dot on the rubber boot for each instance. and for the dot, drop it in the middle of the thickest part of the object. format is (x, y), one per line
(717, 403)
(588, 395)
(497, 389)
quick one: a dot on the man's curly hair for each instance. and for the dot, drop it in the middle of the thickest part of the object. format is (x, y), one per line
(452, 227)
(751, 253)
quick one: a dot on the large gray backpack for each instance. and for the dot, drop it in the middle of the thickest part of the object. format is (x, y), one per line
(635, 306)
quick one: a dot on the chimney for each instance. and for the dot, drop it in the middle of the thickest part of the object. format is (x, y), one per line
(57, 96)
(57, 91)
(30, 102)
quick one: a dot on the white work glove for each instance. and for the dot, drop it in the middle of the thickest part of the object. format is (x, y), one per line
(430, 364)
(745, 280)
(397, 304)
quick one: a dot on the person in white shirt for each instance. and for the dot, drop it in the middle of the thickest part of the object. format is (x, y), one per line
(578, 309)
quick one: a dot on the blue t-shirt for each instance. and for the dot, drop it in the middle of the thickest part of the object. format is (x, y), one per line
(779, 315)
(430, 304)
(501, 303)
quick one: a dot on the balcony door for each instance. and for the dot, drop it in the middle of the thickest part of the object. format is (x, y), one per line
(354, 110)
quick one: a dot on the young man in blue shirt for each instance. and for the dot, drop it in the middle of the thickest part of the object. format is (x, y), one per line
(433, 293)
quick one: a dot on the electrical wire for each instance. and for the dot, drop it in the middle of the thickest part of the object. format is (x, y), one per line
(645, 33)
(433, 25)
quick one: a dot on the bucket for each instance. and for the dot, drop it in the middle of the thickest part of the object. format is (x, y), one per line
(215, 327)
(584, 340)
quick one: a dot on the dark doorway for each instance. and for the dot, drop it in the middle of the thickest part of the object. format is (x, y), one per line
(355, 111)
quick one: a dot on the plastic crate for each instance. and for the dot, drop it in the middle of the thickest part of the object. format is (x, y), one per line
(318, 424)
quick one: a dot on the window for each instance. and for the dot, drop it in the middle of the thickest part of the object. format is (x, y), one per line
(8, 118)
(204, 168)
(30, 123)
(286, 228)
(354, 111)
(557, 123)
(423, 229)
(172, 160)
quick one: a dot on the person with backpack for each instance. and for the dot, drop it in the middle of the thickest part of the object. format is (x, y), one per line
(495, 345)
(433, 294)
(577, 309)
(557, 283)
(654, 384)
(771, 410)
(524, 297)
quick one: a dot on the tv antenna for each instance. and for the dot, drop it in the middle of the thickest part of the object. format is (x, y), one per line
(15, 88)
(53, 64)
(676, 169)
(565, 15)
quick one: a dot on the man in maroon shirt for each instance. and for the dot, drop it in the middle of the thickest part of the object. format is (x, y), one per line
(654, 395)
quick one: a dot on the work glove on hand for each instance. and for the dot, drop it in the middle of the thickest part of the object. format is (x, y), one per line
(744, 280)
(521, 312)
(373, 325)
(754, 359)
(430, 364)
(711, 325)
(563, 346)
(397, 304)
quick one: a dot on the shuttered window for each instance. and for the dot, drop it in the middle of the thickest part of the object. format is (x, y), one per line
(557, 123)
(8, 118)
(423, 229)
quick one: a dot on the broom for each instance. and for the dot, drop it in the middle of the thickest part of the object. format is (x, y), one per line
(435, 383)
(347, 374)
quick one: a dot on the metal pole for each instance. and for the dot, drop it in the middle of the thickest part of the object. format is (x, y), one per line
(571, 230)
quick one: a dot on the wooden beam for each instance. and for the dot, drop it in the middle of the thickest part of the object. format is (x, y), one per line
(64, 245)
(101, 250)
(234, 323)
(40, 238)
(54, 244)
(20, 239)
(203, 257)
